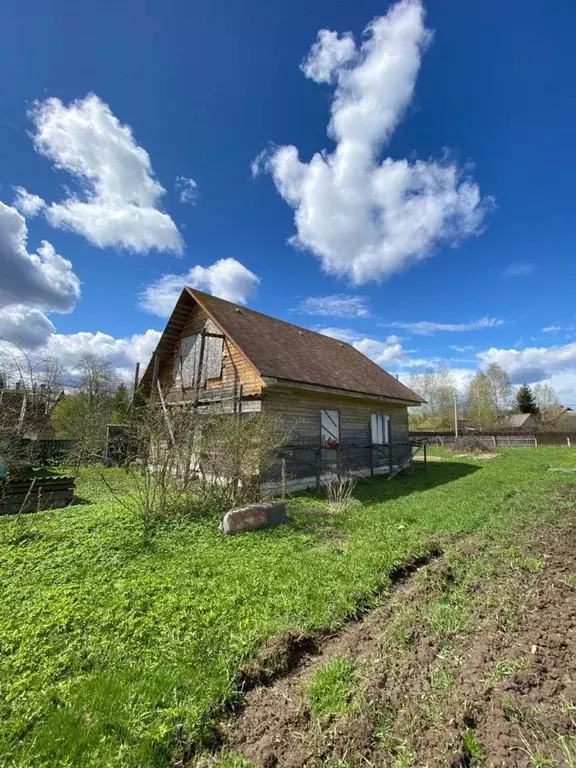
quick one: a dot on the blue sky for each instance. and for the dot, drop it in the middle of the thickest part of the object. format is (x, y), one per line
(437, 225)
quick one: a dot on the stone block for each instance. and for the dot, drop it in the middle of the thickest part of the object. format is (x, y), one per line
(253, 516)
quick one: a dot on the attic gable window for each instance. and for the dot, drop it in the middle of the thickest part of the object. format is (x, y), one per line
(380, 428)
(212, 358)
(329, 428)
(195, 351)
(190, 356)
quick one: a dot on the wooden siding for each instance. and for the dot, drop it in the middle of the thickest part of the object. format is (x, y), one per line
(304, 456)
(237, 374)
(301, 412)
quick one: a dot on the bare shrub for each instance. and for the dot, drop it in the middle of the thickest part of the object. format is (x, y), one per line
(233, 453)
(473, 444)
(181, 462)
(159, 467)
(339, 490)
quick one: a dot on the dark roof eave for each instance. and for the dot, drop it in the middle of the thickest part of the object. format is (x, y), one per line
(273, 383)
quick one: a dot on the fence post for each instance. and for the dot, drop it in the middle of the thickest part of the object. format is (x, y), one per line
(495, 441)
(568, 439)
(318, 467)
(535, 442)
(283, 477)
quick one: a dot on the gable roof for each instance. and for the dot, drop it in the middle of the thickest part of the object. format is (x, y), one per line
(517, 420)
(281, 350)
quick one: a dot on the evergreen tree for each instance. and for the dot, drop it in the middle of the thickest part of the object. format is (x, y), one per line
(525, 401)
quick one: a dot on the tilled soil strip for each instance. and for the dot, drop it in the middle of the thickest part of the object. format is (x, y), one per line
(471, 661)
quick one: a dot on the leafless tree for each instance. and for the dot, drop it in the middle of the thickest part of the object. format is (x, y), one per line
(84, 412)
(30, 385)
(439, 390)
(500, 389)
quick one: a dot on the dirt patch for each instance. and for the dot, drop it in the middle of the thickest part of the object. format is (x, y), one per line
(477, 455)
(470, 661)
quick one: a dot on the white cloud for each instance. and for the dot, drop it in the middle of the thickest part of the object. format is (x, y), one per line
(532, 364)
(226, 278)
(384, 352)
(25, 326)
(27, 203)
(559, 328)
(462, 348)
(328, 54)
(187, 190)
(428, 328)
(342, 334)
(118, 205)
(520, 269)
(42, 279)
(363, 218)
(338, 305)
(123, 353)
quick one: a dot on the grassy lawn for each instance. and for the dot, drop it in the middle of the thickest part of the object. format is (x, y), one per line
(116, 654)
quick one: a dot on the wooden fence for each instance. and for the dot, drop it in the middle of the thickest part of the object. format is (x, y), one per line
(52, 451)
(503, 438)
(41, 453)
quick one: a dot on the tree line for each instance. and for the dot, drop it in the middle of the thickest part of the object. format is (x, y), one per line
(484, 404)
(37, 395)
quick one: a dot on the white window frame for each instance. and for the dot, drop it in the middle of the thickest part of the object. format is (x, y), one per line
(380, 428)
(329, 428)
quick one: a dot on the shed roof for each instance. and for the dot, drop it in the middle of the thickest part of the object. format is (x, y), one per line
(284, 351)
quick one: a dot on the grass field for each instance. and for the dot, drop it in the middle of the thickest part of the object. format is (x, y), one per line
(117, 654)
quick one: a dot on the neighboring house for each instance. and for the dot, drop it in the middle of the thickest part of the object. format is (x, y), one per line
(343, 410)
(524, 421)
(562, 418)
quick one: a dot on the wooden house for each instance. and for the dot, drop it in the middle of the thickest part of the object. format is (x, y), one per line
(344, 412)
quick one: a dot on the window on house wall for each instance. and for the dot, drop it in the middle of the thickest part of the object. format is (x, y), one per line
(330, 428)
(380, 428)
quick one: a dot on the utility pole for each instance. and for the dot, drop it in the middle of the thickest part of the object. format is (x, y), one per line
(456, 414)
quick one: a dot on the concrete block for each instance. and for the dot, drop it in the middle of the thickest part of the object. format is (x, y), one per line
(253, 516)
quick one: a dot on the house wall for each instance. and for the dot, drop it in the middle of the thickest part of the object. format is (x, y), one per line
(237, 374)
(305, 459)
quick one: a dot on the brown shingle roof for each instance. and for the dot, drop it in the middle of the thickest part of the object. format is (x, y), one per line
(284, 351)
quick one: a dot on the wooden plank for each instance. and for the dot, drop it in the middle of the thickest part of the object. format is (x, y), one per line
(135, 385)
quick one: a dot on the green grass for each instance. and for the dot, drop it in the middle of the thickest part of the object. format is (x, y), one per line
(117, 654)
(471, 746)
(329, 691)
(503, 670)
